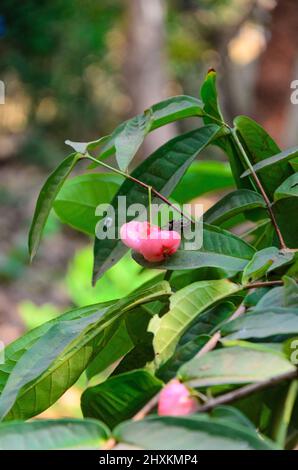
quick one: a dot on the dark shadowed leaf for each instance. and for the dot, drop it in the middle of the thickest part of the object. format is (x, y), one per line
(232, 204)
(259, 146)
(286, 211)
(275, 160)
(202, 177)
(120, 397)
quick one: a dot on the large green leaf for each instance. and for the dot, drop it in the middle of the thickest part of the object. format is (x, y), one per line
(263, 324)
(77, 200)
(275, 160)
(185, 306)
(289, 188)
(119, 397)
(233, 365)
(232, 204)
(160, 114)
(15, 350)
(53, 435)
(165, 112)
(195, 337)
(182, 260)
(46, 199)
(57, 359)
(259, 146)
(202, 177)
(162, 170)
(196, 432)
(221, 249)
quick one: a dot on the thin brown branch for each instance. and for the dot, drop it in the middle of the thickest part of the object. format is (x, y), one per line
(264, 284)
(142, 184)
(109, 444)
(245, 391)
(282, 243)
(209, 345)
(147, 408)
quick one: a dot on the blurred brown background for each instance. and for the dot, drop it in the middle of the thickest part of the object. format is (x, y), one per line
(75, 69)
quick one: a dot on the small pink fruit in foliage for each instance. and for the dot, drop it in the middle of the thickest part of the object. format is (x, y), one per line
(175, 400)
(131, 234)
(149, 240)
(160, 244)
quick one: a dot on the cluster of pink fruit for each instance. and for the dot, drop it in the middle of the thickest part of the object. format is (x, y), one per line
(153, 243)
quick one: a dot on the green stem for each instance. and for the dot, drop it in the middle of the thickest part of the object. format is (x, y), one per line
(140, 183)
(282, 428)
(260, 187)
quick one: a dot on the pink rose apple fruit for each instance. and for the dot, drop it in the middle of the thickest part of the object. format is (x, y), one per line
(149, 240)
(175, 400)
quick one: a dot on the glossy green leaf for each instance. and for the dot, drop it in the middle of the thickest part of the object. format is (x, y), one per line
(182, 260)
(259, 146)
(265, 261)
(56, 360)
(165, 112)
(196, 432)
(275, 160)
(221, 249)
(233, 365)
(195, 337)
(15, 350)
(232, 204)
(77, 200)
(263, 324)
(119, 397)
(289, 188)
(185, 306)
(162, 170)
(53, 435)
(46, 199)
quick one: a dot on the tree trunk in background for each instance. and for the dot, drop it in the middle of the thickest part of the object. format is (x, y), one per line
(276, 69)
(145, 63)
